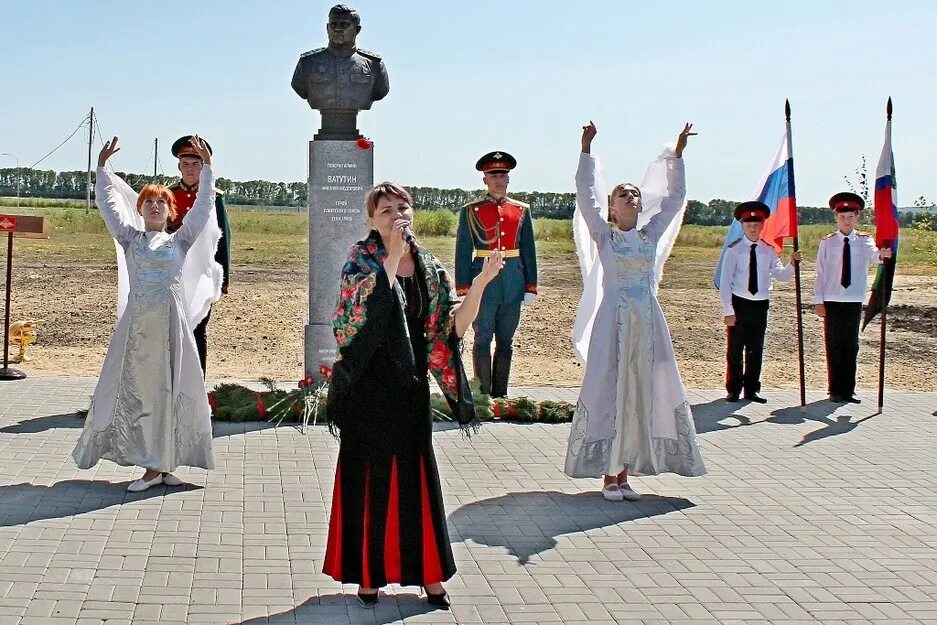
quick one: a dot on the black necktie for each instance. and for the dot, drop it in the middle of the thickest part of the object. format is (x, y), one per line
(753, 270)
(845, 278)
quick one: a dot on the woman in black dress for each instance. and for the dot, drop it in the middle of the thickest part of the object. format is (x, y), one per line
(397, 320)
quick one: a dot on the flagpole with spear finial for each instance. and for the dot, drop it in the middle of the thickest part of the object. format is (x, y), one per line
(882, 285)
(797, 295)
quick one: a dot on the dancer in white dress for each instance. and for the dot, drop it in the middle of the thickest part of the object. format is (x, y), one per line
(150, 408)
(632, 415)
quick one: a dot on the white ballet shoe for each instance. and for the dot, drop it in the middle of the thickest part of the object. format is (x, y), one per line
(612, 492)
(141, 484)
(627, 492)
(171, 480)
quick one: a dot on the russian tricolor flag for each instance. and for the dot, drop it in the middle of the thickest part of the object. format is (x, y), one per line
(886, 226)
(776, 189)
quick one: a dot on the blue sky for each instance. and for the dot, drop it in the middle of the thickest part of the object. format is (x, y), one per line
(466, 78)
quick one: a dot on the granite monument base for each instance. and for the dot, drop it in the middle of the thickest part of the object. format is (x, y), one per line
(340, 174)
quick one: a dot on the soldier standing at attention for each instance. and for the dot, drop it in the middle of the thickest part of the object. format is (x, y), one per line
(184, 191)
(843, 260)
(744, 287)
(489, 223)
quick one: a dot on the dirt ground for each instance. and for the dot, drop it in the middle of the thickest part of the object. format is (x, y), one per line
(257, 330)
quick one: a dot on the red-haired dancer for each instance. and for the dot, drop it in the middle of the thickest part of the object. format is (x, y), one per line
(149, 408)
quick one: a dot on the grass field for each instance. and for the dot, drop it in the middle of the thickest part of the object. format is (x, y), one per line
(270, 238)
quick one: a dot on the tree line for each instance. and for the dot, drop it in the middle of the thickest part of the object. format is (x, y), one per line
(717, 212)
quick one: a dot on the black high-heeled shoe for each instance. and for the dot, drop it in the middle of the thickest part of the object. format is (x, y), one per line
(440, 601)
(368, 600)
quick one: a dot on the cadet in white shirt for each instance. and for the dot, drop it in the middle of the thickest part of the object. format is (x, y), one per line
(843, 261)
(744, 286)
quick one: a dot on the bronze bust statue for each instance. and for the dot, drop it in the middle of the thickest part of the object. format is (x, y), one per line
(340, 79)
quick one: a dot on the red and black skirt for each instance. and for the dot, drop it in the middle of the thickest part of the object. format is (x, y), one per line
(388, 524)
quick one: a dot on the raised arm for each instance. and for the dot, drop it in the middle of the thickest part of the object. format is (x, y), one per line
(589, 206)
(674, 193)
(109, 200)
(203, 208)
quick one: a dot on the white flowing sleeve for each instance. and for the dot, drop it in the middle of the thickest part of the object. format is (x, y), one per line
(590, 205)
(672, 195)
(118, 210)
(118, 207)
(201, 211)
(663, 203)
(199, 236)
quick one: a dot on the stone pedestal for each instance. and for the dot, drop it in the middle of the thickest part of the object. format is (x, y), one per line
(340, 174)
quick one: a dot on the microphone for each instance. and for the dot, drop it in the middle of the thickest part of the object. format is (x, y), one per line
(408, 236)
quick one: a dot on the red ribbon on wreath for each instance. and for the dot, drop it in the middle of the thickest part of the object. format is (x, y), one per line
(211, 403)
(511, 410)
(261, 409)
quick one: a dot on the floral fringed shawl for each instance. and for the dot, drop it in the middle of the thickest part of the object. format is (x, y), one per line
(366, 303)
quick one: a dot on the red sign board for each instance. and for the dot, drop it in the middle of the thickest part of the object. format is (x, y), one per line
(26, 226)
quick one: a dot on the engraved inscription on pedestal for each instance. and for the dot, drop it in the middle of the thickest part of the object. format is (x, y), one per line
(340, 174)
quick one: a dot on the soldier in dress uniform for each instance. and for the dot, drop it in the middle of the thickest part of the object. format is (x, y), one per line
(843, 260)
(744, 287)
(190, 164)
(496, 222)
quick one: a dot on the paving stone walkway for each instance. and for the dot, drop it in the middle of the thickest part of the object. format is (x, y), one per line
(827, 515)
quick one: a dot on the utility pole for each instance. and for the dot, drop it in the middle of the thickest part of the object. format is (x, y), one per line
(155, 154)
(90, 139)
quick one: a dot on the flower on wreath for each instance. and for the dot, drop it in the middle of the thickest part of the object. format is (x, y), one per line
(364, 143)
(325, 371)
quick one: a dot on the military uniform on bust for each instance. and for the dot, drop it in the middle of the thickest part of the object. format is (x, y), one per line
(843, 260)
(496, 222)
(184, 193)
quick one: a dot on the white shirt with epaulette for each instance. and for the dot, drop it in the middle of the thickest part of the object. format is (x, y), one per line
(862, 254)
(734, 277)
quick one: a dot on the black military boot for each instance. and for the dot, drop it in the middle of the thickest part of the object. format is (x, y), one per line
(482, 368)
(500, 375)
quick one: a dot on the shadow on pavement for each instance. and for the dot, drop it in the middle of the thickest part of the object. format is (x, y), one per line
(820, 412)
(49, 422)
(76, 420)
(24, 503)
(340, 608)
(528, 523)
(708, 416)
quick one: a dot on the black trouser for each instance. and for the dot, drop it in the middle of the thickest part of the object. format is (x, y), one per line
(841, 335)
(201, 340)
(748, 336)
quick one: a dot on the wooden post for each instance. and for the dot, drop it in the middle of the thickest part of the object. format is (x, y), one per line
(33, 227)
(88, 182)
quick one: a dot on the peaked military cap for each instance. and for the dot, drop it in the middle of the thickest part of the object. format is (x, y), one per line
(846, 201)
(496, 161)
(752, 211)
(183, 147)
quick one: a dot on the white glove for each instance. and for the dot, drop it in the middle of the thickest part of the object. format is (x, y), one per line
(529, 298)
